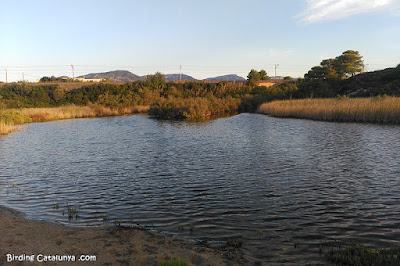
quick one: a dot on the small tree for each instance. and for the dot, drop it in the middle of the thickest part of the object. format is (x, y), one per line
(254, 76)
(156, 81)
(317, 72)
(45, 79)
(348, 64)
(263, 75)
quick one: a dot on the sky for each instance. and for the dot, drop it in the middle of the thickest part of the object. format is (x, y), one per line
(207, 38)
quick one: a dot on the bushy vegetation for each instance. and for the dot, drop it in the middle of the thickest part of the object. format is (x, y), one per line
(200, 99)
(168, 100)
(180, 108)
(255, 76)
(24, 102)
(371, 84)
(54, 79)
(344, 75)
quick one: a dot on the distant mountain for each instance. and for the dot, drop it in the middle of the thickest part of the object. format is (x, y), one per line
(117, 75)
(126, 76)
(175, 77)
(231, 77)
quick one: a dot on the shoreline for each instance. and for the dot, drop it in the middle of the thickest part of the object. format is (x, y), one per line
(106, 244)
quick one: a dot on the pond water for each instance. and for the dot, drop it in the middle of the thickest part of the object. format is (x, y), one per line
(270, 182)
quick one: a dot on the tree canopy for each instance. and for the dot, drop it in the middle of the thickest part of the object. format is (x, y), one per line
(156, 81)
(346, 65)
(254, 76)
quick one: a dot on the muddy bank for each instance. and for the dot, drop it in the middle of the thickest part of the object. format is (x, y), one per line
(108, 245)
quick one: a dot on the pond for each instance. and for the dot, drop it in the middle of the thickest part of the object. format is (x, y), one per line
(267, 181)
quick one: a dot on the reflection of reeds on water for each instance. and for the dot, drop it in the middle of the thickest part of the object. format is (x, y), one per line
(380, 109)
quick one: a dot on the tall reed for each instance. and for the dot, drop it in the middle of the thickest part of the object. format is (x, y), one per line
(6, 129)
(380, 109)
(9, 118)
(73, 111)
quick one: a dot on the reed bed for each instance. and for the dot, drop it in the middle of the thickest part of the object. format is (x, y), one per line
(73, 111)
(380, 109)
(10, 118)
(6, 129)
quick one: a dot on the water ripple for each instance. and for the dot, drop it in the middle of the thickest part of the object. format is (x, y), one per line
(295, 180)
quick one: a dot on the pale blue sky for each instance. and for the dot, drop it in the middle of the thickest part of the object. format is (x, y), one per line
(208, 38)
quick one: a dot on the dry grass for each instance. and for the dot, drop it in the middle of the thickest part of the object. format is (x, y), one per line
(6, 129)
(72, 111)
(385, 110)
(64, 112)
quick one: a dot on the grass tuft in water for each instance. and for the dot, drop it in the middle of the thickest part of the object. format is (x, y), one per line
(356, 254)
(72, 212)
(174, 262)
(117, 222)
(236, 243)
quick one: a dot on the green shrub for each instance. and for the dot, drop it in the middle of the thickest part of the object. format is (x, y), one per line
(12, 117)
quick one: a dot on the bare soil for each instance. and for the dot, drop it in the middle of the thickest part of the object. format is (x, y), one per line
(112, 245)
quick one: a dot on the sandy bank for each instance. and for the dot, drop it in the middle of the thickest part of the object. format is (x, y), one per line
(111, 245)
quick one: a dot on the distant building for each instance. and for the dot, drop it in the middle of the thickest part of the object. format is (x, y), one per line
(267, 83)
(89, 80)
(272, 82)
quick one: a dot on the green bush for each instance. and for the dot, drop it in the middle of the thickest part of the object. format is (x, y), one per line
(11, 117)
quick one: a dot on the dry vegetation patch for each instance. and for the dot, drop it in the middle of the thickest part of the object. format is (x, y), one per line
(380, 109)
(10, 118)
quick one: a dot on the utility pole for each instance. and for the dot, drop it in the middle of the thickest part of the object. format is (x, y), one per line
(276, 65)
(180, 72)
(6, 76)
(23, 78)
(73, 72)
